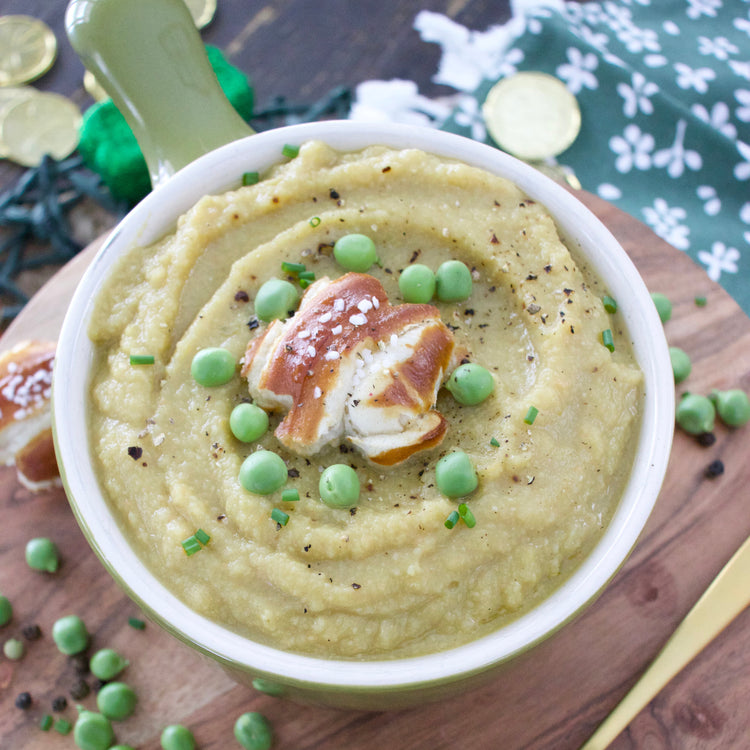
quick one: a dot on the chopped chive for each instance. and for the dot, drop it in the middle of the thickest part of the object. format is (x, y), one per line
(137, 623)
(304, 283)
(292, 267)
(315, 221)
(307, 275)
(250, 178)
(531, 415)
(452, 520)
(609, 304)
(63, 726)
(700, 301)
(466, 515)
(202, 537)
(290, 495)
(191, 545)
(494, 442)
(279, 516)
(290, 151)
(608, 339)
(142, 359)
(46, 722)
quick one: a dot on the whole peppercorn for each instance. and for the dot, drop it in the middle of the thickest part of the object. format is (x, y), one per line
(32, 632)
(714, 469)
(79, 690)
(60, 703)
(706, 439)
(23, 701)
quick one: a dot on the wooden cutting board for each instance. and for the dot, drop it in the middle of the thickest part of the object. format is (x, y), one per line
(552, 699)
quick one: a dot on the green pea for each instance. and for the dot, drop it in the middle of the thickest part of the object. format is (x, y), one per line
(732, 406)
(355, 252)
(263, 472)
(681, 365)
(253, 731)
(177, 737)
(6, 610)
(275, 300)
(116, 700)
(213, 366)
(417, 283)
(248, 422)
(42, 554)
(453, 281)
(13, 649)
(663, 306)
(93, 731)
(339, 486)
(455, 475)
(106, 664)
(695, 414)
(470, 384)
(70, 635)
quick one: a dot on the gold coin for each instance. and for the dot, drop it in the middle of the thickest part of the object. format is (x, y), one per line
(10, 95)
(94, 88)
(532, 115)
(27, 49)
(202, 11)
(38, 125)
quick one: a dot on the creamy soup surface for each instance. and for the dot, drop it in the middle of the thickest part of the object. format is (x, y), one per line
(386, 578)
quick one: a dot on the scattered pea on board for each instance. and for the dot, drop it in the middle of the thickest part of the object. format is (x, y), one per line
(681, 365)
(42, 554)
(177, 737)
(663, 306)
(93, 731)
(253, 731)
(116, 700)
(732, 406)
(106, 664)
(695, 414)
(70, 635)
(6, 610)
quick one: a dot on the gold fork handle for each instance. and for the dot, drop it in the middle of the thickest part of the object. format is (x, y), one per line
(722, 601)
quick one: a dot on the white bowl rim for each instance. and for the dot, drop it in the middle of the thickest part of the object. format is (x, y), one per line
(220, 170)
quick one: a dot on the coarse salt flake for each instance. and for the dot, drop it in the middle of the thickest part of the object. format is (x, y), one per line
(317, 393)
(375, 302)
(364, 305)
(310, 351)
(338, 305)
(358, 320)
(325, 317)
(303, 335)
(331, 355)
(336, 330)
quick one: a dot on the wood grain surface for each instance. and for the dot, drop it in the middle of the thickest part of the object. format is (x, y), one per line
(550, 700)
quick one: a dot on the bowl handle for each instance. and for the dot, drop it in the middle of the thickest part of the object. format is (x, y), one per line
(149, 57)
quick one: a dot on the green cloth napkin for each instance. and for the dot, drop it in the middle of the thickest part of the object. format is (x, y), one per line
(664, 92)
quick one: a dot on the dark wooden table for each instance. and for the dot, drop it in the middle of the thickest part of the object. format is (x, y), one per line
(552, 700)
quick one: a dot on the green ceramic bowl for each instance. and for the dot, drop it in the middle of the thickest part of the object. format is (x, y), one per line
(372, 684)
